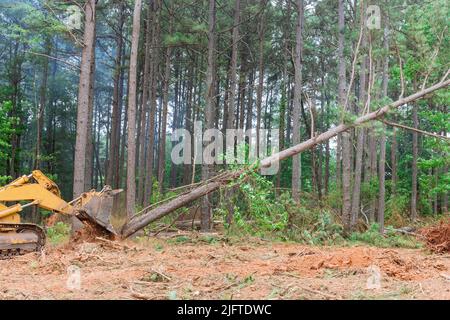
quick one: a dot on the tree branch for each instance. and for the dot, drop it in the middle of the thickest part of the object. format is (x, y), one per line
(392, 124)
(55, 58)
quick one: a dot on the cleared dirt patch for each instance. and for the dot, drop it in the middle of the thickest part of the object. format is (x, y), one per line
(162, 269)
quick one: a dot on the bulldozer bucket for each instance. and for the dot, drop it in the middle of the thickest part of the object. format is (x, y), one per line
(97, 210)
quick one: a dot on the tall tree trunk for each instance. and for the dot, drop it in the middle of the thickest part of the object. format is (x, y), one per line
(41, 108)
(83, 99)
(316, 153)
(232, 98)
(382, 169)
(112, 171)
(83, 105)
(444, 195)
(50, 133)
(165, 103)
(415, 154)
(296, 160)
(360, 132)
(326, 110)
(176, 117)
(144, 108)
(132, 91)
(40, 120)
(394, 161)
(344, 138)
(209, 106)
(285, 84)
(123, 136)
(189, 124)
(233, 66)
(259, 93)
(153, 101)
(249, 113)
(89, 141)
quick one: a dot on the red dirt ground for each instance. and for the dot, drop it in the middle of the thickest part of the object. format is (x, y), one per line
(438, 236)
(162, 269)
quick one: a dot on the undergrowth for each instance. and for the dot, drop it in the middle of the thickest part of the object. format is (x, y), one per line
(259, 212)
(389, 239)
(59, 233)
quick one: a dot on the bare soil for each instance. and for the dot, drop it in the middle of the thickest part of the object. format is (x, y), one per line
(165, 269)
(438, 236)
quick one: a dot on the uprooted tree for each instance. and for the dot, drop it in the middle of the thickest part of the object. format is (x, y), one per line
(221, 180)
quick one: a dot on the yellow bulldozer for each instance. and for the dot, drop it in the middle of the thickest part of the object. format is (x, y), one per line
(92, 208)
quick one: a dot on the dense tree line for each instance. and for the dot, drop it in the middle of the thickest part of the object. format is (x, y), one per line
(97, 103)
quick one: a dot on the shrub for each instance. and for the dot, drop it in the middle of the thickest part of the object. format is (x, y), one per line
(390, 239)
(58, 233)
(323, 231)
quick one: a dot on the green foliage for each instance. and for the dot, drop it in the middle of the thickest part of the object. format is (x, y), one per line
(324, 231)
(59, 233)
(390, 239)
(349, 118)
(6, 128)
(397, 208)
(4, 180)
(258, 212)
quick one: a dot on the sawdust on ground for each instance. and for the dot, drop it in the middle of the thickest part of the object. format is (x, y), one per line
(163, 269)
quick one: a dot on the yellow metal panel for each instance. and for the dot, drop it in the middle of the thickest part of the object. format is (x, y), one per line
(30, 192)
(45, 182)
(15, 218)
(10, 211)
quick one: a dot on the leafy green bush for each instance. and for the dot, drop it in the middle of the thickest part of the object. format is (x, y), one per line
(324, 231)
(397, 209)
(4, 180)
(58, 233)
(257, 211)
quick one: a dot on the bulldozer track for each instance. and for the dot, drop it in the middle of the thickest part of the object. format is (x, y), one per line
(19, 228)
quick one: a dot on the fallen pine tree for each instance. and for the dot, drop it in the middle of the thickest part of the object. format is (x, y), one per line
(140, 221)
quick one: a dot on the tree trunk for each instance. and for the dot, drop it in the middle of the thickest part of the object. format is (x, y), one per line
(415, 152)
(189, 124)
(144, 108)
(394, 161)
(233, 67)
(382, 165)
(83, 105)
(131, 134)
(356, 197)
(296, 160)
(123, 137)
(162, 142)
(209, 107)
(114, 143)
(153, 99)
(345, 149)
(41, 108)
(83, 100)
(176, 117)
(259, 93)
(89, 141)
